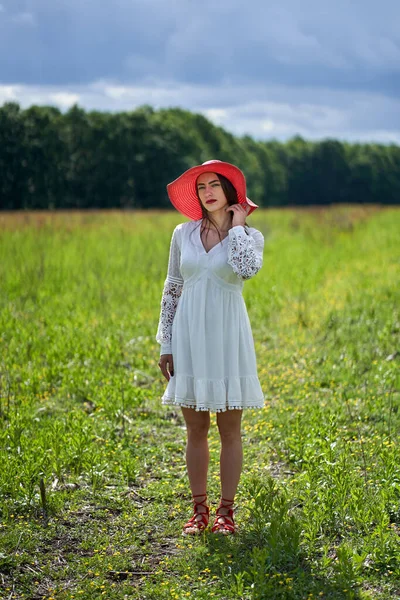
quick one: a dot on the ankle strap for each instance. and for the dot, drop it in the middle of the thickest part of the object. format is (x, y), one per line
(226, 500)
(198, 495)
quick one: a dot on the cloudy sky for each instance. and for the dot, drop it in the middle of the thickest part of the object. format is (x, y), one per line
(268, 68)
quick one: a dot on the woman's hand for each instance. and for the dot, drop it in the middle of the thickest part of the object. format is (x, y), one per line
(166, 364)
(239, 214)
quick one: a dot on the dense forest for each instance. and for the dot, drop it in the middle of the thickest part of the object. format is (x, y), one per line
(97, 159)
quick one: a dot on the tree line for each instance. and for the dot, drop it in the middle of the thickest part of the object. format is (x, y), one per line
(80, 160)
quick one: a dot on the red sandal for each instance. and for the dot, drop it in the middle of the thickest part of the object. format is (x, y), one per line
(199, 521)
(224, 523)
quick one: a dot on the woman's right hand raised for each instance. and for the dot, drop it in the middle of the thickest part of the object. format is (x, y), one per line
(166, 364)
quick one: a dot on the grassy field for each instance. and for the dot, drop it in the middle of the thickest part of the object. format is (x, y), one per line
(93, 483)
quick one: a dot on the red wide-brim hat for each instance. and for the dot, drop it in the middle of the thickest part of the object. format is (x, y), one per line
(182, 191)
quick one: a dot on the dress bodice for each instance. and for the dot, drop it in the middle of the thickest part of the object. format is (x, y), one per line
(238, 257)
(196, 263)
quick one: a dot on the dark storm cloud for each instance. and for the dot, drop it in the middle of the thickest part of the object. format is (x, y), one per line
(317, 68)
(342, 44)
(70, 41)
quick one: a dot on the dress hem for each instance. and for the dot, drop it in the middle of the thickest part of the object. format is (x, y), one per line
(217, 409)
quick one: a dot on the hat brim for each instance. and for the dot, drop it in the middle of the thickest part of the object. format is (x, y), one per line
(183, 195)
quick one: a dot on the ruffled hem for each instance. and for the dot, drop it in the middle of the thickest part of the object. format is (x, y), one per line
(216, 395)
(187, 404)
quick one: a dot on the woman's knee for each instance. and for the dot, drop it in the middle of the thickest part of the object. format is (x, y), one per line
(229, 426)
(230, 436)
(197, 432)
(197, 424)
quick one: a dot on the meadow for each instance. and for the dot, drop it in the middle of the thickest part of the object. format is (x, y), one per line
(93, 486)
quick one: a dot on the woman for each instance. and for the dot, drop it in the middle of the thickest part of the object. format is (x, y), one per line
(207, 348)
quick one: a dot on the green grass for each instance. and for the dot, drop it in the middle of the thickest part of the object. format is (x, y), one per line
(318, 503)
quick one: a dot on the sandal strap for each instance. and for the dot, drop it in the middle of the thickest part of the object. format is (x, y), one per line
(229, 515)
(228, 523)
(226, 500)
(199, 520)
(202, 503)
(195, 522)
(228, 505)
(224, 522)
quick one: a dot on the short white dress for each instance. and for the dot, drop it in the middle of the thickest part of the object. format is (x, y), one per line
(204, 322)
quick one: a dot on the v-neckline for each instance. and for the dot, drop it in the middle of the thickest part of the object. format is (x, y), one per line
(215, 245)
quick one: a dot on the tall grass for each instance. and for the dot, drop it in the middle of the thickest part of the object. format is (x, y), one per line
(93, 483)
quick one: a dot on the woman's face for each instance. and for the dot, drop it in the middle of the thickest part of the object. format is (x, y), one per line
(210, 192)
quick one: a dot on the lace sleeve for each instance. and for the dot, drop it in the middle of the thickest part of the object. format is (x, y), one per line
(245, 251)
(170, 297)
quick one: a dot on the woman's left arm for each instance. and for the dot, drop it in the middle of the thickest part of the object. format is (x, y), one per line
(245, 251)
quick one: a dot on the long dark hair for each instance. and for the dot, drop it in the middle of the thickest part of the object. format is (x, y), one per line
(232, 198)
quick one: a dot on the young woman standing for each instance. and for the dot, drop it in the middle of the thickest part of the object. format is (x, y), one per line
(207, 348)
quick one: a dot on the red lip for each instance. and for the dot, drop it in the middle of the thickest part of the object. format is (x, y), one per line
(210, 201)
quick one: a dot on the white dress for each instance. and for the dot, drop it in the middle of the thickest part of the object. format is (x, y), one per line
(204, 322)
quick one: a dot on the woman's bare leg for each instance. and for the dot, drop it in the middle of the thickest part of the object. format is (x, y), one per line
(197, 454)
(197, 459)
(231, 459)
